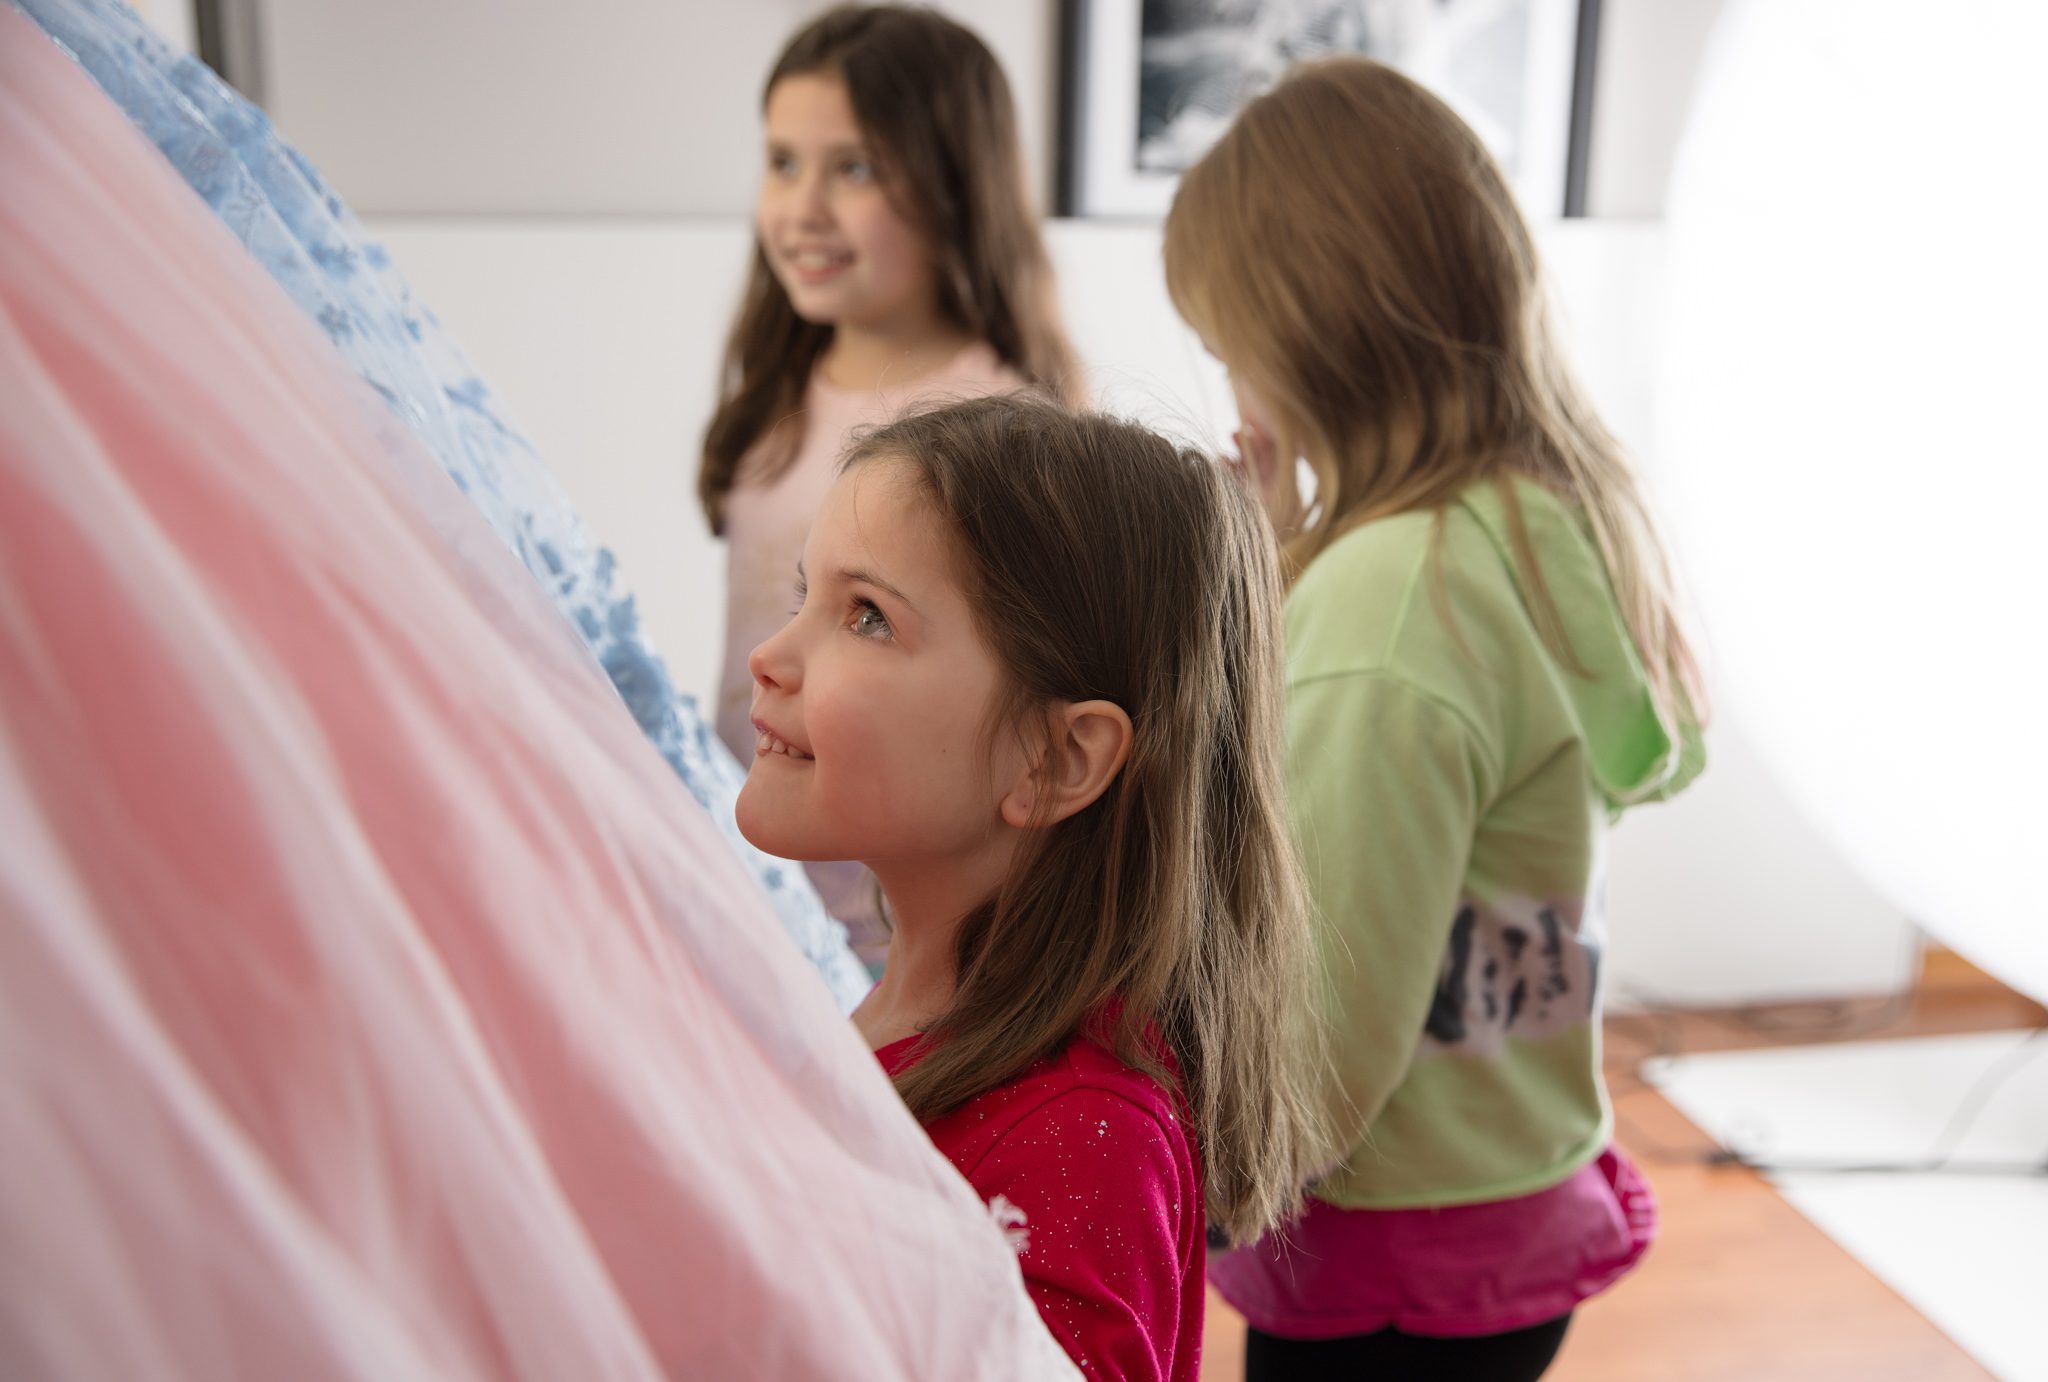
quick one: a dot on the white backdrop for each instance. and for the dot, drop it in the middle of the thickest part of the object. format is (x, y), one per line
(1852, 377)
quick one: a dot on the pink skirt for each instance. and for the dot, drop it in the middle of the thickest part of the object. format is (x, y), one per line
(1454, 1272)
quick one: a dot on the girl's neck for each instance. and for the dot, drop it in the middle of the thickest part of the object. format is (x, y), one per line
(919, 978)
(915, 988)
(860, 359)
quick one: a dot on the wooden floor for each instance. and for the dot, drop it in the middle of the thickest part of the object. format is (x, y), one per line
(1740, 1287)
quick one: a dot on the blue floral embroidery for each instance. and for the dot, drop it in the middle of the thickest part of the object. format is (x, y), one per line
(276, 204)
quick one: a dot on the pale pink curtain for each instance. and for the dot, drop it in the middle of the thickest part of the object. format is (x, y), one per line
(345, 1027)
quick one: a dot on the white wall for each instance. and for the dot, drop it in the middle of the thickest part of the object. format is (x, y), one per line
(600, 108)
(1647, 72)
(173, 21)
(649, 107)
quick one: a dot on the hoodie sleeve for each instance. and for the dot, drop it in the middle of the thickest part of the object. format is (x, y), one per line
(1386, 785)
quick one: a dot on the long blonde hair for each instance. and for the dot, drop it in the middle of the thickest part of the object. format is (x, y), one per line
(1104, 562)
(934, 105)
(1352, 252)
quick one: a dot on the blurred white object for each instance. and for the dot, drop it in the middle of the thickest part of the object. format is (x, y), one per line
(1854, 454)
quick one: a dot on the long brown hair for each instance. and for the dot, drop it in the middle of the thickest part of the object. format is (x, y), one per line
(933, 103)
(1352, 252)
(1104, 562)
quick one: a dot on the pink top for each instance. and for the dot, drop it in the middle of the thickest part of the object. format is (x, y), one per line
(1091, 1170)
(1451, 1272)
(765, 528)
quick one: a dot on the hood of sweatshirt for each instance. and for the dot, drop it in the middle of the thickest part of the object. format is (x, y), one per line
(1636, 754)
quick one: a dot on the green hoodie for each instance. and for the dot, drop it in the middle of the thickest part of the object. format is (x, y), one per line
(1452, 780)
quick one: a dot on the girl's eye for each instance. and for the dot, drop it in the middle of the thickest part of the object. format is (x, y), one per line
(781, 164)
(857, 170)
(868, 621)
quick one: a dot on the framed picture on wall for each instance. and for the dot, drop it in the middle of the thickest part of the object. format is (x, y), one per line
(1148, 85)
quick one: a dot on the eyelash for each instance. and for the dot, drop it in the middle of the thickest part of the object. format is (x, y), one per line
(858, 606)
(863, 607)
(858, 170)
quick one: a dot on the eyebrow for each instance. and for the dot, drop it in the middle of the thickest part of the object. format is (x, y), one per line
(865, 577)
(870, 578)
(857, 148)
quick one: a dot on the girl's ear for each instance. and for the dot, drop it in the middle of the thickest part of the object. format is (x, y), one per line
(1087, 744)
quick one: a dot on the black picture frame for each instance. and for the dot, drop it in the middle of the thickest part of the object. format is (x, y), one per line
(1119, 159)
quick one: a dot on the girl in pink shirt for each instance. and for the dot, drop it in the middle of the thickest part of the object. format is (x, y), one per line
(897, 261)
(1033, 683)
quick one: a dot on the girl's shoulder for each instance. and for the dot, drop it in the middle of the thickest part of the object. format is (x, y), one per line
(1471, 535)
(980, 369)
(975, 370)
(1383, 595)
(1083, 1125)
(1083, 1090)
(1410, 571)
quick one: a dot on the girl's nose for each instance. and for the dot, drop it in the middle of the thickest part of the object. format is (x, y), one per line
(774, 664)
(807, 198)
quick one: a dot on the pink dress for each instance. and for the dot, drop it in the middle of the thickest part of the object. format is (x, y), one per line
(375, 1002)
(765, 529)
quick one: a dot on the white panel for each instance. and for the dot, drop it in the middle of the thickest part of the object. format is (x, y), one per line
(1862, 471)
(1727, 895)
(1964, 1250)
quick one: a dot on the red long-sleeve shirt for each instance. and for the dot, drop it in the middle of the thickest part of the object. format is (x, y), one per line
(1095, 1175)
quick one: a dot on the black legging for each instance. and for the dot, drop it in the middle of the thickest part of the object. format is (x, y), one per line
(1521, 1355)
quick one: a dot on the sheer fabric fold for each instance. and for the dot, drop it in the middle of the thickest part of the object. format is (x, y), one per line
(277, 206)
(374, 1001)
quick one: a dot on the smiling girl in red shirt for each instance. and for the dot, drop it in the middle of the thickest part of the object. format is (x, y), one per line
(1033, 682)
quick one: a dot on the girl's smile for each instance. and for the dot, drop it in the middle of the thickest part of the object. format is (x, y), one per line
(773, 745)
(815, 266)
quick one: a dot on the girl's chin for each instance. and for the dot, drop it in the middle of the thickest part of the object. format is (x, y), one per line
(757, 825)
(767, 832)
(819, 308)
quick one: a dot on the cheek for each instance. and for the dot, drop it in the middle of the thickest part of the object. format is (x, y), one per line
(898, 260)
(767, 207)
(911, 763)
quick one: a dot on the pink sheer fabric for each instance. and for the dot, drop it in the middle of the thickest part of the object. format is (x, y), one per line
(374, 1002)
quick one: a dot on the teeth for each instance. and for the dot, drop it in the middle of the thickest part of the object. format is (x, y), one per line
(767, 743)
(813, 259)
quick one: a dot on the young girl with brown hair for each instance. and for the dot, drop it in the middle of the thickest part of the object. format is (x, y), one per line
(1033, 682)
(1483, 669)
(897, 259)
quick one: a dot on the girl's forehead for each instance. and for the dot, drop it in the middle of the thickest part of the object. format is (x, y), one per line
(876, 513)
(812, 101)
